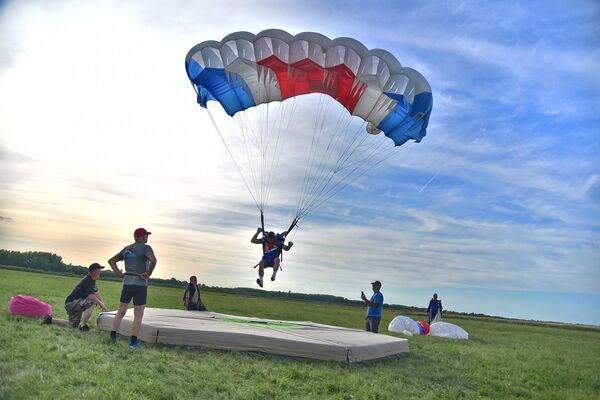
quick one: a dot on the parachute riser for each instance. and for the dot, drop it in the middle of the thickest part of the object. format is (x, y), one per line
(262, 225)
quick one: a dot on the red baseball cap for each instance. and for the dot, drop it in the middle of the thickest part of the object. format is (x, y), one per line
(141, 232)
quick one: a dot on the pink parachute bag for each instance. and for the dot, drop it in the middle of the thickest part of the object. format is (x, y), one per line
(28, 306)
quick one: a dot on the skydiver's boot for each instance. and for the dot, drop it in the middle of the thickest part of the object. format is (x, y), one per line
(273, 276)
(260, 282)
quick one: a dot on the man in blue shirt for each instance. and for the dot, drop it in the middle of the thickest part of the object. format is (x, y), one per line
(374, 307)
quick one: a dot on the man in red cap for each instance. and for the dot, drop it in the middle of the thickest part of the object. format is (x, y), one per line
(139, 264)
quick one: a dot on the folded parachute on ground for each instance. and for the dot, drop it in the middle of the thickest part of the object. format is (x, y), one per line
(28, 306)
(405, 325)
(424, 327)
(447, 330)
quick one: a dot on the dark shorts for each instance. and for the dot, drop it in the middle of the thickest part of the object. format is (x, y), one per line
(372, 324)
(75, 308)
(135, 292)
(196, 307)
(268, 262)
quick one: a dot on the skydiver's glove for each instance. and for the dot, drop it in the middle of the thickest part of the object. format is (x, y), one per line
(290, 244)
(258, 230)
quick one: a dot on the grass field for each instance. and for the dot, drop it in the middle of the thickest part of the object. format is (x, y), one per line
(500, 360)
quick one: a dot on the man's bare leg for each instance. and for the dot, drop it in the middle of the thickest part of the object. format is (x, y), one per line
(261, 273)
(85, 317)
(120, 314)
(48, 319)
(138, 315)
(275, 268)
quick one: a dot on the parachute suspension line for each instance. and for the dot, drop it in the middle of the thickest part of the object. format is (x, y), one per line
(357, 154)
(262, 225)
(315, 187)
(310, 161)
(263, 143)
(248, 142)
(323, 178)
(281, 126)
(232, 158)
(335, 190)
(315, 180)
(354, 173)
(356, 144)
(263, 130)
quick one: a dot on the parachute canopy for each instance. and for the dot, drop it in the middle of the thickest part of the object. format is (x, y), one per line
(447, 330)
(405, 325)
(244, 70)
(263, 81)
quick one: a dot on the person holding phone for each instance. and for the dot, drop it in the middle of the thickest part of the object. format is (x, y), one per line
(374, 307)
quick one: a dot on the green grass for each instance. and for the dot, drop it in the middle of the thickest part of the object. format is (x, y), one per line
(500, 360)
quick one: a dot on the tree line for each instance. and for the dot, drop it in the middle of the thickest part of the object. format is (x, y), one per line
(53, 263)
(50, 262)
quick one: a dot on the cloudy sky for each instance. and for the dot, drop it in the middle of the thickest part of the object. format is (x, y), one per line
(497, 209)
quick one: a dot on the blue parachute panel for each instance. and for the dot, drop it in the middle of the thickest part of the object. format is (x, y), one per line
(406, 121)
(204, 96)
(228, 89)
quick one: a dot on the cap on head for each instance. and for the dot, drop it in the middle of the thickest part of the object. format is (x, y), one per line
(94, 266)
(376, 283)
(139, 232)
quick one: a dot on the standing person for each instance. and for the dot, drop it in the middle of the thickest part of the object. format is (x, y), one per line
(434, 310)
(374, 307)
(272, 245)
(191, 296)
(81, 302)
(139, 264)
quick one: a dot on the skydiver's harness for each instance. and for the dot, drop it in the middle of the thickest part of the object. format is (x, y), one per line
(272, 250)
(280, 240)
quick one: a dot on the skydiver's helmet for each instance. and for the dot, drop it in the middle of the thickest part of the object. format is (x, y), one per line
(271, 235)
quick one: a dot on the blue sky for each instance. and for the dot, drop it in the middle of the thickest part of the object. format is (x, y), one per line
(497, 209)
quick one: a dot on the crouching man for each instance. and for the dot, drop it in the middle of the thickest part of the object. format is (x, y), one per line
(82, 300)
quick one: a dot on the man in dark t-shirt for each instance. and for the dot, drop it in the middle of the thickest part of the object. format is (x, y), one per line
(82, 300)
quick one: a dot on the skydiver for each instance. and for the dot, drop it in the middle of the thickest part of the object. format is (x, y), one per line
(272, 245)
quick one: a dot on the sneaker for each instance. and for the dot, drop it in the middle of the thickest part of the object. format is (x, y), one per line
(113, 338)
(47, 320)
(259, 282)
(272, 279)
(84, 328)
(135, 345)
